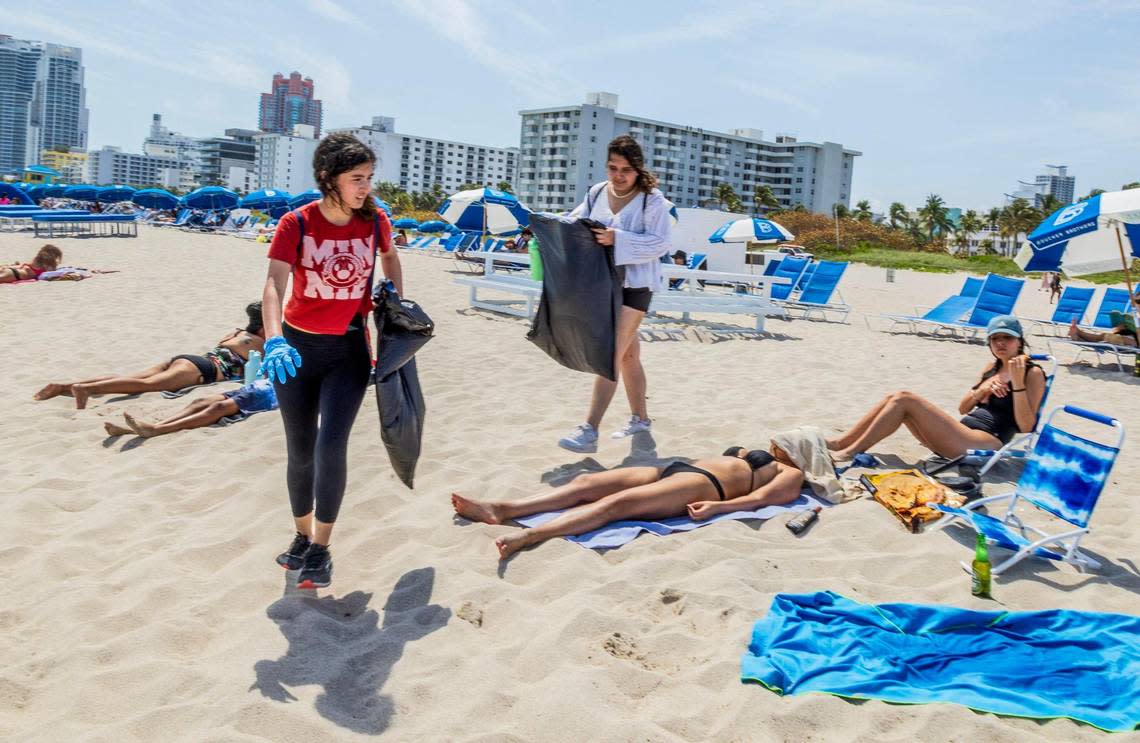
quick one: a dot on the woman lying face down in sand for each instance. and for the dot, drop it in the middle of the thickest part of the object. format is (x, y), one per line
(738, 480)
(253, 398)
(225, 362)
(1002, 403)
(47, 259)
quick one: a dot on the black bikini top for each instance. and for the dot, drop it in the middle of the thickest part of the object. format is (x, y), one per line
(756, 458)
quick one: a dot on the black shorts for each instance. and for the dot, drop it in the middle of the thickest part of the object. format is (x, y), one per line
(637, 299)
(205, 367)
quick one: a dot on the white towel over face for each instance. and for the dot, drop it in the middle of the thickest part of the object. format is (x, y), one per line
(808, 449)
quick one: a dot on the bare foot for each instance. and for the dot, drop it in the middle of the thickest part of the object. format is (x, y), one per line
(52, 390)
(80, 396)
(473, 510)
(510, 544)
(146, 430)
(1074, 334)
(115, 430)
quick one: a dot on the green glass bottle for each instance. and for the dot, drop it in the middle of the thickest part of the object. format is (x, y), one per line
(981, 569)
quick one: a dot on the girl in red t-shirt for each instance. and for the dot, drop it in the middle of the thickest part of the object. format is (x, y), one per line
(316, 351)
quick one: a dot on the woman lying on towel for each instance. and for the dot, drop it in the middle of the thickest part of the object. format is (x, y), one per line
(253, 398)
(1002, 403)
(47, 259)
(738, 480)
(225, 362)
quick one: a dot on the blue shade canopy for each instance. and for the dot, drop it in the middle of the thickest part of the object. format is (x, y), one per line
(406, 223)
(112, 194)
(434, 226)
(755, 229)
(17, 195)
(383, 205)
(155, 198)
(266, 199)
(53, 190)
(1081, 238)
(304, 198)
(81, 192)
(485, 210)
(211, 197)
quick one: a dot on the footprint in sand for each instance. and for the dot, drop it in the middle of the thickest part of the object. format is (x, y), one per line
(468, 612)
(625, 648)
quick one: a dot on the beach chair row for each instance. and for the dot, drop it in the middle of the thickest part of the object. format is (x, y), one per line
(90, 225)
(966, 313)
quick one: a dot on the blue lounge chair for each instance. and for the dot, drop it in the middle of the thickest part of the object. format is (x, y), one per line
(790, 268)
(1114, 300)
(998, 296)
(694, 262)
(951, 309)
(1020, 445)
(1072, 305)
(805, 277)
(816, 295)
(1064, 476)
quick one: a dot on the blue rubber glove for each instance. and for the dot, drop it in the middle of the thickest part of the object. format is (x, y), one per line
(281, 359)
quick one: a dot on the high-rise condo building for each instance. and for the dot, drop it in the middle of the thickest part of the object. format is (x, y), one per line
(563, 152)
(1057, 183)
(42, 100)
(111, 166)
(416, 163)
(289, 102)
(285, 161)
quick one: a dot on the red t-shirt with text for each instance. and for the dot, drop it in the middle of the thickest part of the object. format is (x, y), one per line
(331, 269)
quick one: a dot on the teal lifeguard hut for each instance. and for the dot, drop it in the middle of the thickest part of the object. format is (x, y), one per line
(34, 175)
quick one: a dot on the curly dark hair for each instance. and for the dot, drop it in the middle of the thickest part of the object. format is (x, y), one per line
(253, 310)
(627, 147)
(336, 154)
(48, 258)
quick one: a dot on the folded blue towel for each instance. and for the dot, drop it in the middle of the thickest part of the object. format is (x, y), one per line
(621, 532)
(1036, 664)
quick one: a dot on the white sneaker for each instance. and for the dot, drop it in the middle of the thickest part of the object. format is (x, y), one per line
(635, 425)
(584, 440)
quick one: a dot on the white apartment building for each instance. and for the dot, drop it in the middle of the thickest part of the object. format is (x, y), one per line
(111, 166)
(563, 152)
(285, 161)
(416, 163)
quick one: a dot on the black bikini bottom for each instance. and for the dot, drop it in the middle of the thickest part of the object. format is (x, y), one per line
(205, 367)
(676, 467)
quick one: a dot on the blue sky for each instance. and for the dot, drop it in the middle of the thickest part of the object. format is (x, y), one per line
(956, 98)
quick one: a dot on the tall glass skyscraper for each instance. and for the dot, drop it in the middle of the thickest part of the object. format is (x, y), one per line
(42, 100)
(289, 102)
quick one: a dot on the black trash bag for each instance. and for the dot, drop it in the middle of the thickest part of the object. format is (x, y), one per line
(577, 319)
(402, 329)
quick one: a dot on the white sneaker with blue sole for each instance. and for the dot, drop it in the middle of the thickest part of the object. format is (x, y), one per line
(583, 440)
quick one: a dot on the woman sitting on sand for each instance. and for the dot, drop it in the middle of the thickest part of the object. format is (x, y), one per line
(1004, 402)
(225, 362)
(738, 480)
(47, 259)
(253, 398)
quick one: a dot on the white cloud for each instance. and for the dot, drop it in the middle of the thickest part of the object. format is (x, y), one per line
(332, 10)
(773, 95)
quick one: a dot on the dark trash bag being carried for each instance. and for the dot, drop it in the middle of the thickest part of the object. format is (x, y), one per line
(577, 319)
(402, 329)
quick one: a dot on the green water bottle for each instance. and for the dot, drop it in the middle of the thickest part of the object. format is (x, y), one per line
(981, 569)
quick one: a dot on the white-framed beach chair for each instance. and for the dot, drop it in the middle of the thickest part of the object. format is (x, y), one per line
(951, 309)
(998, 296)
(1064, 476)
(1020, 445)
(816, 295)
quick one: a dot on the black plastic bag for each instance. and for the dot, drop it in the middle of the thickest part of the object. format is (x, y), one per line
(577, 319)
(402, 329)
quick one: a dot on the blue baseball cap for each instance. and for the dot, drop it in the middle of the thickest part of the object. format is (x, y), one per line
(1004, 324)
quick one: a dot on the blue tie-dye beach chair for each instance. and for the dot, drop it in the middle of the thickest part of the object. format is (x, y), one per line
(1021, 444)
(1063, 476)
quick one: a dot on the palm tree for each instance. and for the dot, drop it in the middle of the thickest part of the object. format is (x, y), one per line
(863, 211)
(1050, 203)
(840, 210)
(935, 216)
(968, 225)
(727, 198)
(1127, 186)
(799, 209)
(1090, 194)
(402, 202)
(898, 215)
(505, 186)
(763, 199)
(387, 191)
(1017, 218)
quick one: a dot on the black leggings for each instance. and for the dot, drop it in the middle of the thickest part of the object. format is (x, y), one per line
(328, 388)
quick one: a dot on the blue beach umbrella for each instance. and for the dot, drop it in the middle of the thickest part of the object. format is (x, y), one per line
(16, 194)
(485, 210)
(383, 205)
(755, 229)
(266, 199)
(112, 194)
(53, 190)
(406, 223)
(304, 198)
(211, 197)
(81, 192)
(1090, 236)
(434, 226)
(155, 198)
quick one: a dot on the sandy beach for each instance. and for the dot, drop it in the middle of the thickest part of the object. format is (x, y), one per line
(145, 604)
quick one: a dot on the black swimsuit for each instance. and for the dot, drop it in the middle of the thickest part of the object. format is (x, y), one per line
(995, 416)
(677, 467)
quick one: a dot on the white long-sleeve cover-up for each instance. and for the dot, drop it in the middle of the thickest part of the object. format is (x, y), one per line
(641, 236)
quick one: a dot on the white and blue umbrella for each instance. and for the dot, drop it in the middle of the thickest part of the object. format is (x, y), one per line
(1090, 236)
(155, 198)
(266, 199)
(751, 230)
(211, 197)
(485, 210)
(304, 198)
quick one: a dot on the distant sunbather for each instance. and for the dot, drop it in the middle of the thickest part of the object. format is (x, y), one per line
(1003, 403)
(226, 361)
(47, 259)
(253, 398)
(1123, 332)
(735, 481)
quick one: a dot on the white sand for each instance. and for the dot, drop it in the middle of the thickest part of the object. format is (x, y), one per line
(143, 602)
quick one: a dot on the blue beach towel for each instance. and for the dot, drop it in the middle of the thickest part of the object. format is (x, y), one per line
(1035, 664)
(622, 532)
